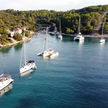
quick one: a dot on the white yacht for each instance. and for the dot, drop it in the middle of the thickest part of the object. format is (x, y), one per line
(79, 36)
(48, 53)
(5, 83)
(60, 36)
(102, 40)
(28, 66)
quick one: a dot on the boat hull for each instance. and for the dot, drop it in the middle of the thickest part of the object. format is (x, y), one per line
(54, 55)
(40, 54)
(78, 38)
(27, 72)
(51, 56)
(60, 37)
(28, 68)
(6, 89)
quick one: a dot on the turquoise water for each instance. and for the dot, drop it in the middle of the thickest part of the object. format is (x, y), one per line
(78, 78)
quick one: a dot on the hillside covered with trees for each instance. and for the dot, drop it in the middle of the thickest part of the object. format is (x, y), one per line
(35, 20)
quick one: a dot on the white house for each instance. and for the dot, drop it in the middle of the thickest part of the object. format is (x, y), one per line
(11, 33)
(24, 28)
(16, 30)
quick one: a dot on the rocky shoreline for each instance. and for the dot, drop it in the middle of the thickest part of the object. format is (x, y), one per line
(14, 42)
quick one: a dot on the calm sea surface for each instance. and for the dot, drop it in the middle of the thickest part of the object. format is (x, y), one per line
(77, 78)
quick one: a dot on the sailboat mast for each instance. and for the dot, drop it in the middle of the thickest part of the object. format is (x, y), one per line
(79, 24)
(60, 27)
(46, 39)
(55, 29)
(24, 50)
(102, 28)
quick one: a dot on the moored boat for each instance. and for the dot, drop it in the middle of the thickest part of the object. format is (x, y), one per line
(60, 36)
(50, 54)
(47, 53)
(28, 66)
(79, 36)
(5, 83)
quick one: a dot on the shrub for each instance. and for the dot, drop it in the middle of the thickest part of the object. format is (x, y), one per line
(27, 34)
(17, 36)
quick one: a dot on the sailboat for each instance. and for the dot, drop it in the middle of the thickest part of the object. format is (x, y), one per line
(48, 53)
(28, 66)
(102, 40)
(79, 36)
(60, 34)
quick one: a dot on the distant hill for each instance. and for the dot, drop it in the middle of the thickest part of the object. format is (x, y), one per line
(100, 9)
(36, 19)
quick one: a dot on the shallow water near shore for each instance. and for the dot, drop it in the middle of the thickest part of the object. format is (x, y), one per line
(77, 78)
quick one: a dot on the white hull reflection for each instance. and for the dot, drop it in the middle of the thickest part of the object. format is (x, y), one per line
(102, 41)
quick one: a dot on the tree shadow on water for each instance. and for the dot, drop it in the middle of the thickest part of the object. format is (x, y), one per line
(18, 47)
(27, 102)
(30, 102)
(5, 50)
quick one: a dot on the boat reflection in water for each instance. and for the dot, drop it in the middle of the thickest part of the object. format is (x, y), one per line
(81, 42)
(101, 46)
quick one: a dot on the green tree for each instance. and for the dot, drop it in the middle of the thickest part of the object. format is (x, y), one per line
(17, 36)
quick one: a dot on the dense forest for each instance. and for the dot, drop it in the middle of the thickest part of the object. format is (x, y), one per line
(36, 20)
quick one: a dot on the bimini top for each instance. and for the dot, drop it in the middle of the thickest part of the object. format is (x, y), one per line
(31, 61)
